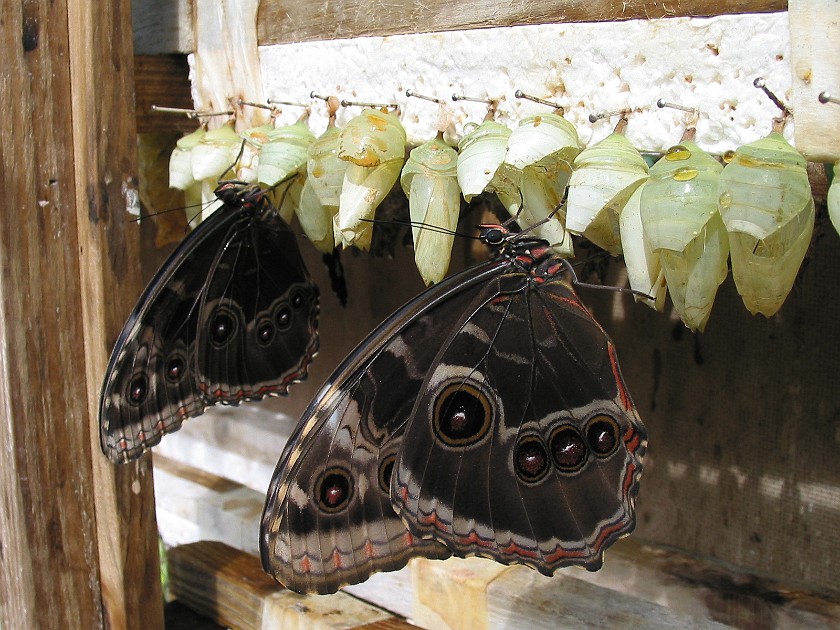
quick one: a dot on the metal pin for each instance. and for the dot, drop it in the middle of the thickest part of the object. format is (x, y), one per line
(412, 93)
(761, 84)
(345, 103)
(260, 105)
(542, 101)
(663, 103)
(274, 101)
(461, 97)
(190, 113)
(596, 117)
(318, 96)
(825, 97)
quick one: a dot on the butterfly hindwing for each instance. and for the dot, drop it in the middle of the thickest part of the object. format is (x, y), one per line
(172, 358)
(526, 448)
(318, 536)
(258, 319)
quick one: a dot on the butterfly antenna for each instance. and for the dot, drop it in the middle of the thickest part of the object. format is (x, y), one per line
(232, 166)
(426, 226)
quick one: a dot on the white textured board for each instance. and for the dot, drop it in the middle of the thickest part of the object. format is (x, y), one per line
(708, 63)
(815, 59)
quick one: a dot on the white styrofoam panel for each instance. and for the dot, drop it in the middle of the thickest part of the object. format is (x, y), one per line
(708, 63)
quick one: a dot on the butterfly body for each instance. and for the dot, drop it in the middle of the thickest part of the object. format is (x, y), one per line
(486, 417)
(230, 317)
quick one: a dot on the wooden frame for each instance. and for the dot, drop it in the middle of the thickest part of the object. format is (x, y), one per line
(285, 21)
(79, 535)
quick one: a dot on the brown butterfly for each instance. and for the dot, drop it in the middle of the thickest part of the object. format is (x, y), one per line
(486, 417)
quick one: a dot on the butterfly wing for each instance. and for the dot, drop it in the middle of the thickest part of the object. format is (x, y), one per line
(159, 373)
(328, 519)
(524, 445)
(257, 324)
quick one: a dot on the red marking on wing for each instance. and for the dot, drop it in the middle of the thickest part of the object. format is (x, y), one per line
(626, 402)
(561, 553)
(628, 479)
(631, 439)
(369, 551)
(474, 539)
(515, 550)
(432, 519)
(336, 558)
(305, 564)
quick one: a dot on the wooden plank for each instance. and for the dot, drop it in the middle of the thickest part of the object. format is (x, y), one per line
(49, 566)
(162, 80)
(639, 586)
(163, 26)
(286, 21)
(814, 50)
(58, 97)
(104, 155)
(230, 587)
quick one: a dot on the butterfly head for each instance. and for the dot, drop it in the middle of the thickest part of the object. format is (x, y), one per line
(513, 244)
(239, 194)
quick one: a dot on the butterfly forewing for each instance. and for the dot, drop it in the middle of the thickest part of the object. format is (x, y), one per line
(194, 337)
(531, 447)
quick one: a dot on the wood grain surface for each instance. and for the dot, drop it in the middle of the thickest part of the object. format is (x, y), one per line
(78, 536)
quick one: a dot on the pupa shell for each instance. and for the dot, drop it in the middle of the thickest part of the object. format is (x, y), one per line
(429, 179)
(180, 161)
(834, 198)
(285, 153)
(480, 152)
(682, 224)
(538, 137)
(325, 169)
(532, 179)
(374, 145)
(215, 153)
(605, 176)
(315, 219)
(644, 268)
(249, 160)
(765, 201)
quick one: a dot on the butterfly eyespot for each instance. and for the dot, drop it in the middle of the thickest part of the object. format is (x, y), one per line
(568, 449)
(386, 469)
(530, 459)
(333, 490)
(283, 318)
(602, 435)
(297, 301)
(463, 415)
(222, 329)
(265, 333)
(137, 390)
(175, 369)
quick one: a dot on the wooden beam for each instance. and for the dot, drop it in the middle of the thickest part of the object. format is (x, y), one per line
(286, 21)
(48, 575)
(162, 80)
(229, 587)
(104, 155)
(78, 538)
